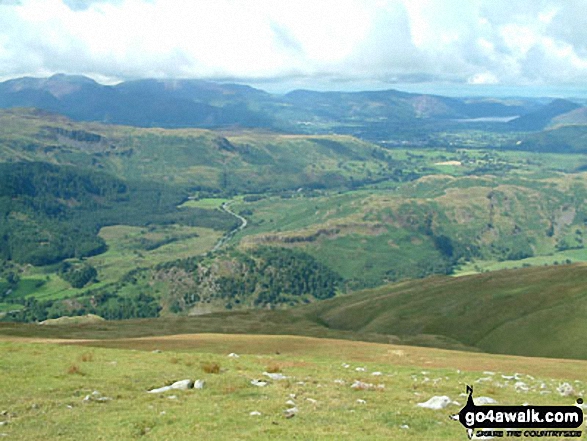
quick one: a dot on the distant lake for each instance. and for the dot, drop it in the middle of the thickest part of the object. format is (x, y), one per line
(498, 119)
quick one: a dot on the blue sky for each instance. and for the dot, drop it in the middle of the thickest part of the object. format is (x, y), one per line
(461, 45)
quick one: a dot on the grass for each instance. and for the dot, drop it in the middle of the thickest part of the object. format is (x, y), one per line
(54, 405)
(207, 203)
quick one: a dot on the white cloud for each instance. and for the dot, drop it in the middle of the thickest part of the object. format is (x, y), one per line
(467, 41)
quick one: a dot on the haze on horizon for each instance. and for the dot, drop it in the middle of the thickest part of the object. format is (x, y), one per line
(473, 47)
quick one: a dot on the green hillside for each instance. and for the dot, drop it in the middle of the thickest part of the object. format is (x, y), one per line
(533, 311)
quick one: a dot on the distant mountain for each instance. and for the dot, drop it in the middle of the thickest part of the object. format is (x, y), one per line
(542, 117)
(196, 103)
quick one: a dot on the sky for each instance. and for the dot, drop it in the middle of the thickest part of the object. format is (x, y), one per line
(279, 45)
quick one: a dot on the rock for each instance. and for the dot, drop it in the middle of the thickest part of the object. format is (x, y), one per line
(376, 374)
(290, 413)
(565, 390)
(255, 413)
(360, 369)
(488, 373)
(436, 403)
(521, 386)
(199, 384)
(275, 376)
(156, 351)
(178, 385)
(479, 401)
(361, 401)
(233, 355)
(360, 385)
(339, 381)
(259, 383)
(311, 400)
(346, 366)
(290, 403)
(172, 397)
(404, 426)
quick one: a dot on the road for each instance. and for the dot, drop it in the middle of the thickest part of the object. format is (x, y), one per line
(243, 224)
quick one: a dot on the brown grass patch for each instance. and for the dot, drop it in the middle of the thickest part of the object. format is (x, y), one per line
(211, 368)
(273, 368)
(87, 357)
(74, 370)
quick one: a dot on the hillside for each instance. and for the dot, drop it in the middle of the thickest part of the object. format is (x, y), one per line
(97, 390)
(534, 311)
(538, 312)
(236, 162)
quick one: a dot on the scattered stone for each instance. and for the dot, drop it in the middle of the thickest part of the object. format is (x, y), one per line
(290, 403)
(339, 381)
(4, 413)
(376, 374)
(521, 386)
(275, 376)
(157, 351)
(255, 413)
(404, 427)
(488, 373)
(436, 403)
(312, 400)
(172, 397)
(346, 366)
(3, 423)
(483, 379)
(290, 413)
(479, 401)
(360, 385)
(178, 385)
(361, 401)
(565, 390)
(199, 384)
(292, 396)
(233, 355)
(360, 369)
(508, 377)
(259, 383)
(162, 413)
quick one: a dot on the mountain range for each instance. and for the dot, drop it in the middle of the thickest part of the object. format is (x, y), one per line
(374, 115)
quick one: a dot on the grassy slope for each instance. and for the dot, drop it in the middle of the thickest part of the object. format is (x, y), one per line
(51, 406)
(534, 311)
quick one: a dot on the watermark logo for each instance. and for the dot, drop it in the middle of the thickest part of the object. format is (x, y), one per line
(529, 421)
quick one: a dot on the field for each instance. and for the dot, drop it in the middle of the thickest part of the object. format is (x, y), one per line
(44, 387)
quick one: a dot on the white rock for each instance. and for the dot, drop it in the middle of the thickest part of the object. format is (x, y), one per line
(521, 386)
(255, 413)
(360, 369)
(276, 376)
(178, 385)
(361, 401)
(339, 381)
(346, 366)
(565, 390)
(290, 403)
(199, 384)
(259, 383)
(404, 427)
(479, 401)
(436, 403)
(359, 385)
(172, 397)
(291, 412)
(376, 374)
(311, 400)
(292, 396)
(488, 373)
(233, 355)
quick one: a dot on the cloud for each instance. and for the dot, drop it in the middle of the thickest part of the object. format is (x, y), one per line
(461, 41)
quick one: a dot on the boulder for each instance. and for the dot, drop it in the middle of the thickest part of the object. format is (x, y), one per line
(436, 403)
(178, 385)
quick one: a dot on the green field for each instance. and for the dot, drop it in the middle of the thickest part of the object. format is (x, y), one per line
(53, 406)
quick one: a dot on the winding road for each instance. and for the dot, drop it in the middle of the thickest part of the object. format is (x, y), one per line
(243, 223)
